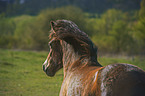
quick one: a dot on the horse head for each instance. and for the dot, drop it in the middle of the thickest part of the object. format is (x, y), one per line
(67, 39)
(54, 59)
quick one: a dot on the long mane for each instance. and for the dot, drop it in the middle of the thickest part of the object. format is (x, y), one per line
(69, 32)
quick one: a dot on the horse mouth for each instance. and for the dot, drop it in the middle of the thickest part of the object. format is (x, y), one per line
(46, 68)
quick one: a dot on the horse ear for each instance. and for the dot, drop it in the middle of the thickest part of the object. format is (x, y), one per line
(52, 23)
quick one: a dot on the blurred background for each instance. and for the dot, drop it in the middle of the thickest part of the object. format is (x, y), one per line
(115, 26)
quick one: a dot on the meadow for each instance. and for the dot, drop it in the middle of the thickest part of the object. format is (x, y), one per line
(21, 72)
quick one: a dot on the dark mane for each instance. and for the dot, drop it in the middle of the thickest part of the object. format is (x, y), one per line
(69, 32)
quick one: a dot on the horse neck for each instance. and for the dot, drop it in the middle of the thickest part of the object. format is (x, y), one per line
(70, 57)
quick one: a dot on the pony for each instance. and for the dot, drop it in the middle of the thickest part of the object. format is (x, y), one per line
(72, 50)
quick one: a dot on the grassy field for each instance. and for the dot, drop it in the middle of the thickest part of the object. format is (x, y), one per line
(21, 73)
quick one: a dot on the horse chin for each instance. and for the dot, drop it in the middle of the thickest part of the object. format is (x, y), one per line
(48, 71)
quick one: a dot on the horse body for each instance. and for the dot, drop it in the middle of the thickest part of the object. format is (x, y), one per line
(111, 80)
(71, 49)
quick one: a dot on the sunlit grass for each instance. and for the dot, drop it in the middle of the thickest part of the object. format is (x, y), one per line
(21, 73)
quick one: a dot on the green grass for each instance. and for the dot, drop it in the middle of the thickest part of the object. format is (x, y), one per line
(135, 60)
(21, 73)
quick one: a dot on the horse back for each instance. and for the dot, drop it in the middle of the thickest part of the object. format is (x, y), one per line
(122, 80)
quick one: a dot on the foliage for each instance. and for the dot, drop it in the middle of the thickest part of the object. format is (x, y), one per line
(122, 40)
(91, 6)
(142, 10)
(31, 32)
(113, 31)
(139, 35)
(69, 13)
(7, 28)
(23, 32)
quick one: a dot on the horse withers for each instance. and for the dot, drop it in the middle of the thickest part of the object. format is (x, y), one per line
(72, 50)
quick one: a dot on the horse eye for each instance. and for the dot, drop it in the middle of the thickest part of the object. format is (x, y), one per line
(50, 45)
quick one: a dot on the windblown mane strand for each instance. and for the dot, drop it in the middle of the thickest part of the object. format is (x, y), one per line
(69, 32)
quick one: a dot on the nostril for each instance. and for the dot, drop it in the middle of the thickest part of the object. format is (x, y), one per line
(44, 68)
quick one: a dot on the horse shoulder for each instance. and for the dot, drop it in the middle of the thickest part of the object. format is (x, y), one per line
(91, 83)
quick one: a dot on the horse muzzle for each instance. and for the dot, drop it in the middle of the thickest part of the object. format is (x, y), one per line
(47, 68)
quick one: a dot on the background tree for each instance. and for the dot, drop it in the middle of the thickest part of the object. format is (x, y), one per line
(139, 32)
(112, 32)
(122, 40)
(7, 27)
